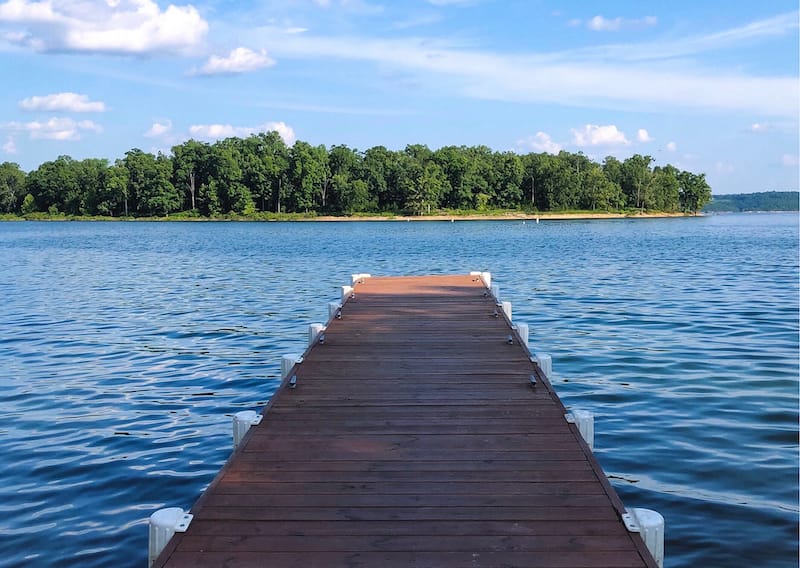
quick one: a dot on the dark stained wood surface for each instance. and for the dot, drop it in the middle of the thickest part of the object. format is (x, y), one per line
(413, 438)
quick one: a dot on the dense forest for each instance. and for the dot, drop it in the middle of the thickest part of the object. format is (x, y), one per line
(762, 201)
(261, 176)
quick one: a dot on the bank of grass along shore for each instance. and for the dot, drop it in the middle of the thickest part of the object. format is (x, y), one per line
(440, 216)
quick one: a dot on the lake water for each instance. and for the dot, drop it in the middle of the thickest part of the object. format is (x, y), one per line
(126, 347)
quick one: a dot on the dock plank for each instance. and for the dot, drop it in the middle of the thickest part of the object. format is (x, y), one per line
(412, 438)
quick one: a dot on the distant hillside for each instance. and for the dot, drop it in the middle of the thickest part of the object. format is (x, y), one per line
(764, 201)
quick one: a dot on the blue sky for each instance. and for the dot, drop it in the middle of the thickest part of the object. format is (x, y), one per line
(709, 86)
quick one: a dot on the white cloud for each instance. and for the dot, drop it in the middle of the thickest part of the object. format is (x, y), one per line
(759, 127)
(573, 78)
(240, 60)
(24, 11)
(159, 129)
(540, 142)
(643, 136)
(594, 135)
(119, 26)
(218, 131)
(671, 146)
(63, 102)
(55, 128)
(790, 161)
(10, 146)
(601, 24)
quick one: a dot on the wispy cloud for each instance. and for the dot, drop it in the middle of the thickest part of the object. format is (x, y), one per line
(114, 26)
(663, 49)
(563, 78)
(602, 24)
(10, 145)
(333, 109)
(769, 27)
(62, 102)
(239, 60)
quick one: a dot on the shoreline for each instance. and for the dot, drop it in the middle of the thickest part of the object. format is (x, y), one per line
(511, 216)
(294, 217)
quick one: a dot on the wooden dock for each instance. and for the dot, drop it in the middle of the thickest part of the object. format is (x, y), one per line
(413, 437)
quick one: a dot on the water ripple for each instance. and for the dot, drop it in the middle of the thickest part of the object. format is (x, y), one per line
(127, 347)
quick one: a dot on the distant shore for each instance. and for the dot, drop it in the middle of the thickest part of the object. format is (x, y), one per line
(510, 216)
(299, 217)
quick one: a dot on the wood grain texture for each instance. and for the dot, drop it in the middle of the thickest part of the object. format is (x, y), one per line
(413, 438)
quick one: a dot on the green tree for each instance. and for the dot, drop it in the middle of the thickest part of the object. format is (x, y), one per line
(508, 172)
(665, 192)
(55, 185)
(556, 183)
(694, 191)
(569, 169)
(309, 176)
(612, 169)
(599, 192)
(455, 164)
(190, 168)
(28, 205)
(423, 184)
(276, 157)
(12, 187)
(92, 174)
(112, 201)
(378, 170)
(226, 174)
(636, 179)
(264, 169)
(478, 180)
(355, 197)
(434, 185)
(260, 173)
(345, 166)
(150, 190)
(530, 171)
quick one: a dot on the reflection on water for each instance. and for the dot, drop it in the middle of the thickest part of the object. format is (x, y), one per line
(126, 347)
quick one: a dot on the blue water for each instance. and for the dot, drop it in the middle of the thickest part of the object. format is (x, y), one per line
(126, 347)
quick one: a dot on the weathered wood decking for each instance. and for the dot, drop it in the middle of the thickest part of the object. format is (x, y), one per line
(413, 438)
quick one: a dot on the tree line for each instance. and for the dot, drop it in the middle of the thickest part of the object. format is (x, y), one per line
(762, 201)
(261, 175)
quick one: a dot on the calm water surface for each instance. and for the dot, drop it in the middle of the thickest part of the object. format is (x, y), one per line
(126, 347)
